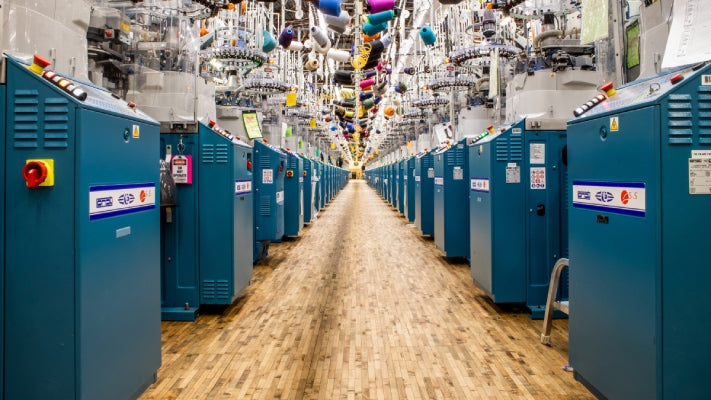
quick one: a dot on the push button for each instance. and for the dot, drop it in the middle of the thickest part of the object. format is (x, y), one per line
(38, 173)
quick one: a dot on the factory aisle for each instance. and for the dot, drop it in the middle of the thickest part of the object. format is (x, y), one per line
(361, 307)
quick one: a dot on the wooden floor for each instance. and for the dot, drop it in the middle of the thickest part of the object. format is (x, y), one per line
(362, 307)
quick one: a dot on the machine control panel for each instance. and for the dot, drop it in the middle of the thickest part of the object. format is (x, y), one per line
(637, 92)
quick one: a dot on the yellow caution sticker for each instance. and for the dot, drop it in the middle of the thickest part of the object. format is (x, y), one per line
(136, 132)
(614, 124)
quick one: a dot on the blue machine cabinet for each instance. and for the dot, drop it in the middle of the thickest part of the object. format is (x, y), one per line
(268, 183)
(424, 192)
(225, 193)
(82, 297)
(2, 222)
(497, 216)
(544, 178)
(640, 167)
(205, 262)
(451, 195)
(410, 192)
(320, 185)
(180, 271)
(294, 195)
(392, 184)
(309, 186)
(402, 186)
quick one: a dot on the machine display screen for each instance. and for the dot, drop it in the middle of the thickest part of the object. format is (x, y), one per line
(251, 125)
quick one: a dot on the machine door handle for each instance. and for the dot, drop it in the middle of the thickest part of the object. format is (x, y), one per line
(541, 210)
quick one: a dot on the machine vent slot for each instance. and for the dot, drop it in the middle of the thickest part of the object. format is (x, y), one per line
(502, 149)
(265, 162)
(293, 163)
(704, 115)
(221, 154)
(208, 154)
(516, 148)
(215, 290)
(26, 118)
(265, 208)
(460, 157)
(680, 119)
(56, 123)
(428, 162)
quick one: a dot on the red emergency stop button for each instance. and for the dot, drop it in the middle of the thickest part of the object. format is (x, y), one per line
(676, 79)
(289, 174)
(35, 173)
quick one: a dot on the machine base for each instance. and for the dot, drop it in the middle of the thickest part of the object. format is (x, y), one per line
(538, 312)
(588, 386)
(144, 386)
(261, 251)
(178, 314)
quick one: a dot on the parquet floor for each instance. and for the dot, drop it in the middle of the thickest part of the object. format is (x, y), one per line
(362, 307)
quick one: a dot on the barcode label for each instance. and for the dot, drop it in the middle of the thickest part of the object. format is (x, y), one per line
(706, 80)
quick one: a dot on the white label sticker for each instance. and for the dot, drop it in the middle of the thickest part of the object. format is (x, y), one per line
(538, 178)
(538, 153)
(438, 181)
(112, 200)
(430, 172)
(699, 176)
(480, 185)
(706, 80)
(513, 173)
(280, 197)
(458, 174)
(627, 198)
(301, 179)
(267, 176)
(516, 131)
(417, 178)
(614, 124)
(705, 154)
(243, 186)
(404, 177)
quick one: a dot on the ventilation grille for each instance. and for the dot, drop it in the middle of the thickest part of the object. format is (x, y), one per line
(459, 156)
(265, 206)
(215, 290)
(293, 162)
(26, 118)
(704, 115)
(207, 154)
(265, 162)
(221, 153)
(509, 149)
(427, 161)
(56, 123)
(502, 149)
(680, 119)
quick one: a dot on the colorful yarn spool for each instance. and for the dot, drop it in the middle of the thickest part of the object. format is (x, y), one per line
(427, 35)
(330, 7)
(370, 29)
(376, 6)
(268, 44)
(286, 37)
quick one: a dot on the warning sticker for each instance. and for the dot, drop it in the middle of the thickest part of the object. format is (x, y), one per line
(181, 167)
(700, 153)
(458, 174)
(439, 181)
(267, 176)
(699, 176)
(538, 178)
(136, 131)
(430, 172)
(280, 197)
(538, 153)
(513, 173)
(614, 124)
(417, 178)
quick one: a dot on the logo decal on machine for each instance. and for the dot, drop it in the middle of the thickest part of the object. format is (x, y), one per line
(243, 186)
(113, 200)
(480, 185)
(627, 198)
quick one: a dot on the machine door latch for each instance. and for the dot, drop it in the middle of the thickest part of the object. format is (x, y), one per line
(541, 210)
